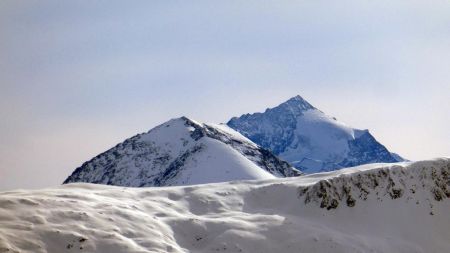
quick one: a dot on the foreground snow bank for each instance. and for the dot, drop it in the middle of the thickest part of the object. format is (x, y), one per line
(372, 208)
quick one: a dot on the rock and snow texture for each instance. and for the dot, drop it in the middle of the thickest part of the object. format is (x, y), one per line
(309, 139)
(372, 208)
(182, 152)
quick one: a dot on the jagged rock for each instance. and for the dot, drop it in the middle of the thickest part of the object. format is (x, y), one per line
(391, 181)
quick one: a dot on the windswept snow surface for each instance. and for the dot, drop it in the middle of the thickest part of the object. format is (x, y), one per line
(182, 152)
(372, 208)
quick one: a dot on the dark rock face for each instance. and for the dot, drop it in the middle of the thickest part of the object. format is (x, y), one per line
(289, 131)
(395, 182)
(175, 167)
(365, 149)
(281, 119)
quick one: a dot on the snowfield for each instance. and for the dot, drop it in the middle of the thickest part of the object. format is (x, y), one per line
(372, 208)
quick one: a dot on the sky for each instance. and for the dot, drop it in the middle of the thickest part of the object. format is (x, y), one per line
(78, 77)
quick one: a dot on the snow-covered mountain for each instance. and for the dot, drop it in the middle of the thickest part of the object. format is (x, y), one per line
(310, 140)
(182, 152)
(384, 208)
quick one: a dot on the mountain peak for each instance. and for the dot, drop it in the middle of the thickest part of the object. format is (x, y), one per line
(296, 103)
(185, 120)
(188, 120)
(297, 98)
(182, 151)
(310, 140)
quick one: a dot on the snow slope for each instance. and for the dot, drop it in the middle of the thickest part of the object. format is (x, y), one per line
(182, 152)
(371, 208)
(309, 139)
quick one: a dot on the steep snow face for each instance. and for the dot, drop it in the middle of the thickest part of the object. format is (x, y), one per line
(371, 208)
(309, 139)
(181, 152)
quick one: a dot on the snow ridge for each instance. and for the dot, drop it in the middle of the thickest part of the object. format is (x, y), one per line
(372, 208)
(393, 181)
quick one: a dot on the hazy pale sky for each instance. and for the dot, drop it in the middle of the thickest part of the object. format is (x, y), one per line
(78, 77)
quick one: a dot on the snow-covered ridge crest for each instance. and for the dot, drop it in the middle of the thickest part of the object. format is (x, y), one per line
(180, 152)
(352, 185)
(263, 216)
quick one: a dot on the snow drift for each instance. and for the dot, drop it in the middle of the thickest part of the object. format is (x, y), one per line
(371, 208)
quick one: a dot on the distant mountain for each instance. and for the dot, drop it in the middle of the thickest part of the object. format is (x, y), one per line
(310, 140)
(182, 152)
